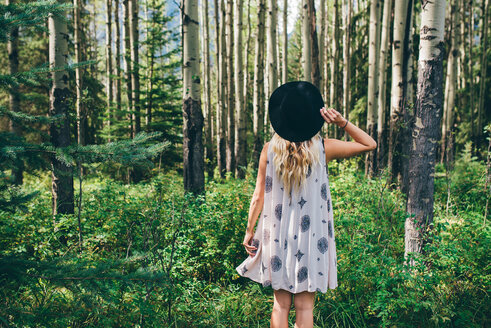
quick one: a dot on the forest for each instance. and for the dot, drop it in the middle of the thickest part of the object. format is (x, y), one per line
(130, 137)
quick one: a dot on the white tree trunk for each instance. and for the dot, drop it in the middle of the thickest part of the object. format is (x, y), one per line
(373, 71)
(229, 35)
(284, 77)
(333, 96)
(135, 75)
(61, 174)
(346, 69)
(193, 162)
(451, 82)
(425, 130)
(258, 109)
(399, 83)
(240, 123)
(109, 65)
(382, 84)
(322, 39)
(271, 47)
(206, 89)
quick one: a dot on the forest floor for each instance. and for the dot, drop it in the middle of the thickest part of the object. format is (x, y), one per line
(155, 258)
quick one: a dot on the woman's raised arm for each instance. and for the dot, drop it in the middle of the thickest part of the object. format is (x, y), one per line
(342, 149)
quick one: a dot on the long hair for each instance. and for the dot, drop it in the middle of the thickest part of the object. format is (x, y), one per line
(293, 160)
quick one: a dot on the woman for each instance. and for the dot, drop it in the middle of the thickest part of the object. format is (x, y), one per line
(293, 248)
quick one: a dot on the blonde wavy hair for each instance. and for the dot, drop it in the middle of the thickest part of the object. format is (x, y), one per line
(293, 159)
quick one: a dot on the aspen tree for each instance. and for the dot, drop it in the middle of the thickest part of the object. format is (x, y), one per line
(117, 66)
(284, 75)
(271, 47)
(61, 173)
(373, 70)
(109, 66)
(306, 44)
(221, 114)
(333, 89)
(193, 163)
(206, 88)
(402, 12)
(382, 84)
(135, 74)
(450, 84)
(346, 59)
(258, 93)
(425, 130)
(230, 99)
(128, 63)
(240, 113)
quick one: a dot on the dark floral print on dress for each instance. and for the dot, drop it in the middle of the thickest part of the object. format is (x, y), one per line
(324, 191)
(305, 223)
(302, 274)
(269, 184)
(322, 245)
(277, 211)
(276, 263)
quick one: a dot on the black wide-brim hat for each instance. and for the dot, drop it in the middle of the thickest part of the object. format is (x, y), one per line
(294, 111)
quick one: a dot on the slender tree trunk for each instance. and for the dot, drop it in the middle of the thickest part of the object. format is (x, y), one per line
(207, 98)
(62, 178)
(246, 55)
(150, 61)
(229, 32)
(78, 73)
(240, 114)
(271, 47)
(484, 65)
(314, 45)
(222, 87)
(135, 75)
(128, 63)
(333, 90)
(471, 73)
(109, 66)
(450, 85)
(373, 71)
(193, 162)
(284, 76)
(408, 106)
(258, 85)
(425, 130)
(402, 12)
(382, 85)
(322, 51)
(117, 69)
(347, 61)
(306, 44)
(14, 97)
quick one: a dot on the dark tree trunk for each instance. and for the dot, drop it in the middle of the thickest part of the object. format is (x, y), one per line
(316, 74)
(14, 97)
(193, 174)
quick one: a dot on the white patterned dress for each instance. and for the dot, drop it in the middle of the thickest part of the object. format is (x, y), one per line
(296, 249)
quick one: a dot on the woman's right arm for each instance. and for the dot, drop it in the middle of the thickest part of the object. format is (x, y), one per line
(335, 148)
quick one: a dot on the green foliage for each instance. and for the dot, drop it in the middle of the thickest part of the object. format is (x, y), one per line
(463, 189)
(149, 249)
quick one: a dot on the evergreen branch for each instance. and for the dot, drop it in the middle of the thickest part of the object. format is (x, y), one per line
(31, 14)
